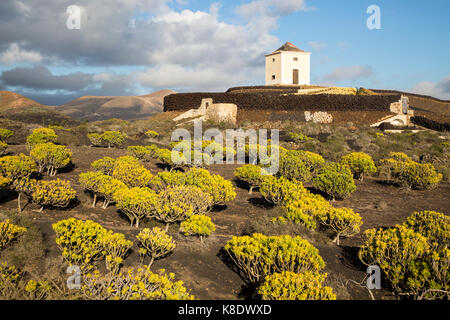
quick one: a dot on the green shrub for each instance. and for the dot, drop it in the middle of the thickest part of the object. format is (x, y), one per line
(95, 139)
(5, 134)
(3, 148)
(139, 152)
(172, 208)
(173, 160)
(9, 232)
(105, 165)
(113, 138)
(293, 167)
(435, 226)
(132, 174)
(165, 179)
(80, 241)
(101, 185)
(4, 182)
(137, 203)
(26, 187)
(259, 256)
(281, 190)
(54, 193)
(155, 243)
(341, 221)
(298, 137)
(409, 173)
(295, 286)
(200, 201)
(221, 190)
(17, 167)
(151, 134)
(115, 247)
(51, 157)
(305, 209)
(198, 225)
(252, 174)
(360, 164)
(335, 180)
(41, 135)
(135, 284)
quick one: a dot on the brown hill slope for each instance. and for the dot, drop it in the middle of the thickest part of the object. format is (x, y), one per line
(17, 107)
(95, 108)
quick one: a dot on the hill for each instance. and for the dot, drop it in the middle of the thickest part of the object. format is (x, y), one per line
(94, 108)
(17, 107)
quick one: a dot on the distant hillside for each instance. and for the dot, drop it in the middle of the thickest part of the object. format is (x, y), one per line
(17, 107)
(94, 108)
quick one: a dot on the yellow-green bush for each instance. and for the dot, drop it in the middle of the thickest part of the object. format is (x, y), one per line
(252, 174)
(54, 193)
(3, 148)
(116, 246)
(171, 159)
(137, 203)
(305, 209)
(220, 189)
(17, 167)
(132, 174)
(281, 190)
(292, 167)
(200, 201)
(95, 139)
(5, 134)
(258, 255)
(155, 243)
(360, 164)
(135, 284)
(298, 137)
(435, 226)
(397, 252)
(105, 165)
(26, 187)
(341, 221)
(165, 179)
(171, 208)
(4, 182)
(9, 232)
(151, 134)
(408, 173)
(295, 286)
(335, 180)
(85, 242)
(41, 135)
(101, 185)
(139, 152)
(51, 157)
(80, 241)
(198, 225)
(113, 138)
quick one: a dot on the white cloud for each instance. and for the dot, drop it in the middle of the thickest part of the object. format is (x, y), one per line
(349, 73)
(440, 89)
(14, 54)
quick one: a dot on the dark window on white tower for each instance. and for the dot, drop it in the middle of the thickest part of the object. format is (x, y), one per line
(273, 77)
(295, 59)
(273, 59)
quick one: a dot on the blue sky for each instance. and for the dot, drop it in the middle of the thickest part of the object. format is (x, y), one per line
(197, 45)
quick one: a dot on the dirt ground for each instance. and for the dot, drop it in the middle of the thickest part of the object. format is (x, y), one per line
(202, 267)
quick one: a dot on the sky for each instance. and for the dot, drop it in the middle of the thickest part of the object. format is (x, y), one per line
(135, 47)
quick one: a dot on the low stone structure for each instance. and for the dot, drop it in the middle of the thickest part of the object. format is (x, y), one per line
(403, 114)
(218, 112)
